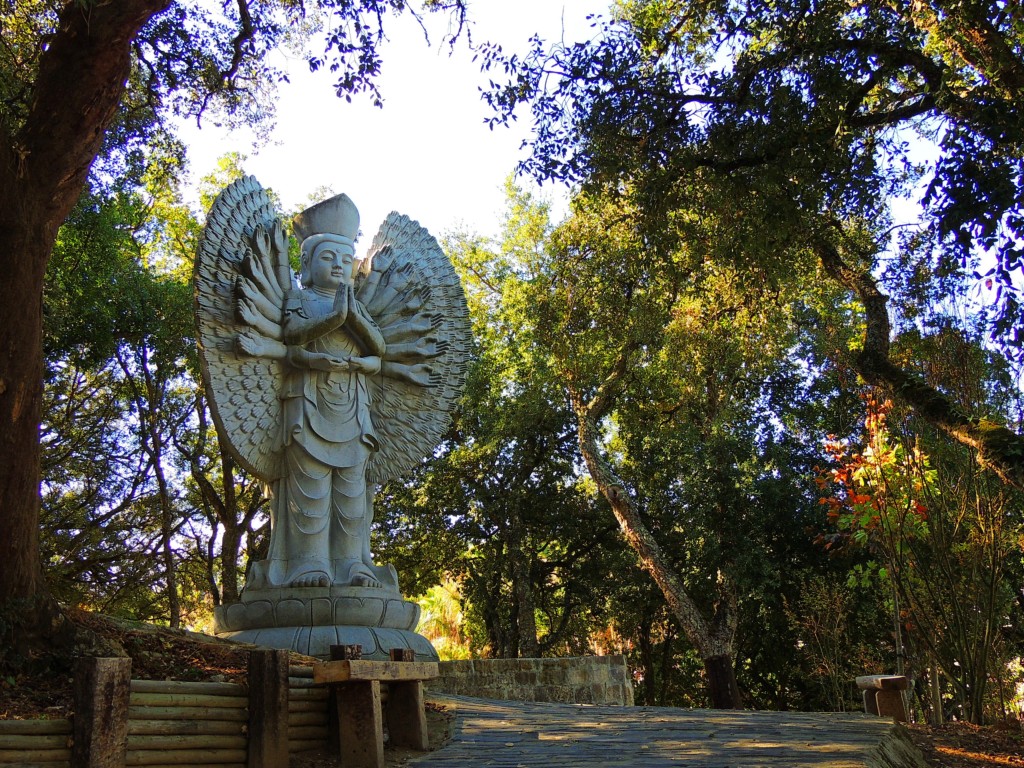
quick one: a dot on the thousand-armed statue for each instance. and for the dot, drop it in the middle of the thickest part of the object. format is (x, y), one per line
(325, 389)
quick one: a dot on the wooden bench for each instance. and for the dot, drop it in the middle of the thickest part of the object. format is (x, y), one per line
(355, 684)
(883, 695)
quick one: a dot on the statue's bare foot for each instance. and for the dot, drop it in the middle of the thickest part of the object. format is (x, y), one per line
(312, 579)
(361, 576)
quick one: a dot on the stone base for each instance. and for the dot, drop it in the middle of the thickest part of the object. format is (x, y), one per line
(310, 620)
(316, 607)
(317, 641)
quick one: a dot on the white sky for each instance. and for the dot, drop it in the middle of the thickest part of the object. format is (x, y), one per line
(427, 153)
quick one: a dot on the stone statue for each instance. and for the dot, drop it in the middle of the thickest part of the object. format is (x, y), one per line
(323, 390)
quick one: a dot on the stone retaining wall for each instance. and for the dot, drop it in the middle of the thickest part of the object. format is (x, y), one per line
(579, 680)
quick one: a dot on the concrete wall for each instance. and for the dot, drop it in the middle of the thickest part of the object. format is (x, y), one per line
(580, 680)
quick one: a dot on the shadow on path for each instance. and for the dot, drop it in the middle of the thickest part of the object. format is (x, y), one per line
(506, 734)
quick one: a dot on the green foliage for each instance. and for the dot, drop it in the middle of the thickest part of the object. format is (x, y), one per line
(943, 534)
(805, 116)
(501, 507)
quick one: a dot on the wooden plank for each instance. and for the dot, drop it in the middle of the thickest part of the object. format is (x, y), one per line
(189, 757)
(407, 717)
(308, 694)
(100, 727)
(306, 732)
(318, 705)
(181, 686)
(268, 709)
(883, 682)
(34, 741)
(187, 700)
(20, 727)
(306, 718)
(360, 726)
(305, 745)
(232, 714)
(21, 757)
(200, 741)
(385, 671)
(891, 704)
(185, 727)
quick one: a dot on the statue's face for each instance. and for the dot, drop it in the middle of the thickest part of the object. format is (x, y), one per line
(331, 265)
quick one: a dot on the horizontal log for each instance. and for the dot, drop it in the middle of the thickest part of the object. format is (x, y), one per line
(308, 694)
(883, 682)
(302, 682)
(306, 718)
(362, 670)
(305, 745)
(197, 765)
(188, 713)
(186, 727)
(20, 757)
(34, 726)
(307, 706)
(57, 764)
(187, 700)
(36, 740)
(187, 741)
(181, 686)
(301, 732)
(189, 757)
(297, 671)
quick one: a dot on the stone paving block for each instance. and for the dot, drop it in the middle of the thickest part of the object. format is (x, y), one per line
(502, 734)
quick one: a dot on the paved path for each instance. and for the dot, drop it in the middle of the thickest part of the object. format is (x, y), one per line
(504, 734)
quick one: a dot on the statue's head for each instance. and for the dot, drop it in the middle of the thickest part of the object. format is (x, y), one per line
(327, 232)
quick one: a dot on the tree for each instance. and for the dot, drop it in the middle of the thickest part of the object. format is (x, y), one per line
(502, 507)
(77, 74)
(672, 368)
(941, 530)
(798, 116)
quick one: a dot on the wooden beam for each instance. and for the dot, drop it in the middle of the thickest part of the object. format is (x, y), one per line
(382, 671)
(360, 726)
(102, 688)
(268, 709)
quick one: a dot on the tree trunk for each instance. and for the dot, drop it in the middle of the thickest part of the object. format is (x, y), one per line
(522, 587)
(998, 448)
(23, 255)
(721, 679)
(44, 163)
(712, 640)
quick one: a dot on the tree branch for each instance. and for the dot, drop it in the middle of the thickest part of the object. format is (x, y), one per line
(999, 448)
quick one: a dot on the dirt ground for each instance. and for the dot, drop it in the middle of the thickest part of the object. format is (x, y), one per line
(158, 653)
(962, 745)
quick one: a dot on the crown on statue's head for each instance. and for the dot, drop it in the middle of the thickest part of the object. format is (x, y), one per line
(335, 216)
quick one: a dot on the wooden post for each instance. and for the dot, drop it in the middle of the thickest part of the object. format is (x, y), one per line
(346, 652)
(268, 709)
(360, 726)
(338, 653)
(407, 715)
(102, 689)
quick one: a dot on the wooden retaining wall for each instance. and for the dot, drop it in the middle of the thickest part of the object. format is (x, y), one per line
(174, 723)
(171, 724)
(307, 712)
(28, 743)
